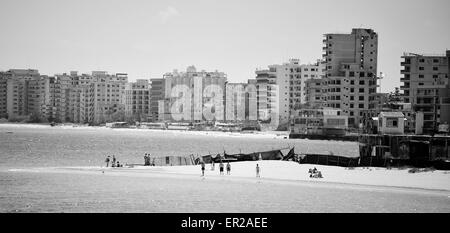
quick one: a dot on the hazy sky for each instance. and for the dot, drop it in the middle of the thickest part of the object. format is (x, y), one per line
(148, 38)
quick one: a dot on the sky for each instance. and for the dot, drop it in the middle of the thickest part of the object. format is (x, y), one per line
(147, 38)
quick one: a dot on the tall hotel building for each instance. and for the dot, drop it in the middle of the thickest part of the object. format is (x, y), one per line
(350, 79)
(240, 102)
(426, 86)
(108, 96)
(282, 88)
(193, 96)
(137, 100)
(25, 93)
(3, 94)
(157, 93)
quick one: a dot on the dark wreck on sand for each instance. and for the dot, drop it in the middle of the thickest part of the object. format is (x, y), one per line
(374, 151)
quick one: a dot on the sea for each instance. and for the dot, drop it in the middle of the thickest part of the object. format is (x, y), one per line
(40, 146)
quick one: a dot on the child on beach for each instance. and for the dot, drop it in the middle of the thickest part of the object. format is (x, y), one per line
(228, 168)
(258, 169)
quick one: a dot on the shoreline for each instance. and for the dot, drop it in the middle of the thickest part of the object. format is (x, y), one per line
(265, 134)
(279, 172)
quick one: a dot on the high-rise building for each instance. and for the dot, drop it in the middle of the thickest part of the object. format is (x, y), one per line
(426, 86)
(240, 102)
(282, 88)
(298, 89)
(71, 93)
(193, 96)
(137, 100)
(157, 93)
(27, 95)
(350, 79)
(273, 91)
(313, 92)
(108, 96)
(3, 94)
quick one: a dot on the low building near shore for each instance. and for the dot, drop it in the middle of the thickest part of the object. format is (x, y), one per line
(391, 123)
(320, 121)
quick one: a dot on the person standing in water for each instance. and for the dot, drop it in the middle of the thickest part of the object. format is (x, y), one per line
(258, 170)
(228, 168)
(107, 161)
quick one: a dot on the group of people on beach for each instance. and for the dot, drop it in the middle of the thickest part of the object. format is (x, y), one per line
(147, 160)
(113, 161)
(314, 173)
(221, 168)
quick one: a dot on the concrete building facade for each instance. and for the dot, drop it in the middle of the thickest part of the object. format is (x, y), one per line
(193, 96)
(137, 100)
(240, 102)
(350, 79)
(157, 93)
(425, 85)
(109, 96)
(27, 95)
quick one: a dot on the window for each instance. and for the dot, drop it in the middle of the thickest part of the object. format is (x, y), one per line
(361, 97)
(435, 60)
(421, 68)
(361, 106)
(422, 60)
(420, 84)
(435, 68)
(361, 82)
(352, 97)
(392, 122)
(361, 90)
(421, 76)
(352, 90)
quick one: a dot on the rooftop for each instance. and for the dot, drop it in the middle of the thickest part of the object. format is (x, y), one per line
(392, 114)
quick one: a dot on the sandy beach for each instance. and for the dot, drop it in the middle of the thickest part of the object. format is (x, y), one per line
(278, 171)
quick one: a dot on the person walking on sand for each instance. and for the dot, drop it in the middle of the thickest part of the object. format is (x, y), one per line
(258, 170)
(228, 168)
(221, 168)
(203, 169)
(107, 161)
(113, 161)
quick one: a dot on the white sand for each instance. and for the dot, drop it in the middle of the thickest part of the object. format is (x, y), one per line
(282, 170)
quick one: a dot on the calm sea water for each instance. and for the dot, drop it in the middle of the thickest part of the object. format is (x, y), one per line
(25, 147)
(54, 146)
